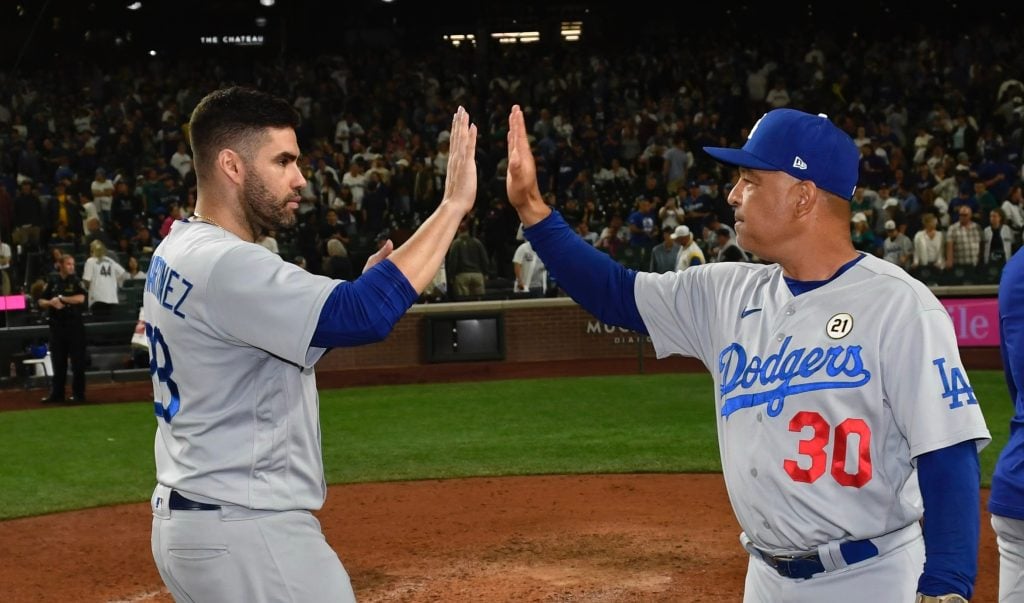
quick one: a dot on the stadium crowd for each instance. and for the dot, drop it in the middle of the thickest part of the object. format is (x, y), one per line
(100, 152)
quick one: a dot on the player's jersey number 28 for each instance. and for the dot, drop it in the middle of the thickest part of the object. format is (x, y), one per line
(814, 447)
(165, 391)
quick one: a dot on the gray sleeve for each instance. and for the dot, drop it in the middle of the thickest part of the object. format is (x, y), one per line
(259, 299)
(676, 312)
(926, 385)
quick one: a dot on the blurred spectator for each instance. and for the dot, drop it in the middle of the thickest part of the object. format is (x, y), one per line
(103, 195)
(583, 229)
(337, 264)
(28, 216)
(897, 248)
(696, 205)
(965, 197)
(986, 202)
(670, 214)
(467, 262)
(963, 240)
(64, 215)
(102, 278)
(531, 274)
(135, 273)
(1013, 209)
(643, 225)
(929, 247)
(94, 232)
(663, 256)
(613, 237)
(861, 234)
(996, 241)
(125, 207)
(174, 213)
(728, 249)
(689, 253)
(181, 160)
(677, 162)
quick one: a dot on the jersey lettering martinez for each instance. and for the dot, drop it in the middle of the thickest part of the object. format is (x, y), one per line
(229, 326)
(170, 288)
(823, 398)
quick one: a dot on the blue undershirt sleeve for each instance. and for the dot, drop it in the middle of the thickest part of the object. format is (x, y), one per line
(364, 310)
(602, 286)
(950, 480)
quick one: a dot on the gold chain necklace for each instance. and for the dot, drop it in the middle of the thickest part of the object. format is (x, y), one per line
(197, 216)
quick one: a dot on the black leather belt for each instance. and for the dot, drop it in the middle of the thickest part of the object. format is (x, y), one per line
(805, 566)
(178, 502)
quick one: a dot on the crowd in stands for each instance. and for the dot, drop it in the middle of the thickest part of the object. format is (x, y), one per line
(100, 153)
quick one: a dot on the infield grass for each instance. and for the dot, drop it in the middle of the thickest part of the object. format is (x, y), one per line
(66, 458)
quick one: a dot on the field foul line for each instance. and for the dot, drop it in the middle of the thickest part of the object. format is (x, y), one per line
(142, 597)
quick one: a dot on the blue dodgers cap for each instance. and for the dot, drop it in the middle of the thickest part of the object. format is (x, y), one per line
(805, 146)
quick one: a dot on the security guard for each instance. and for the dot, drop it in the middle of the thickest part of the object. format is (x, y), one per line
(64, 298)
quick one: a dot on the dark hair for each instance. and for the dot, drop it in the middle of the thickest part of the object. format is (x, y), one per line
(235, 118)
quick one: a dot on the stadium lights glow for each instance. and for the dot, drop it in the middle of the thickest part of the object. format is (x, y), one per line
(457, 39)
(268, 2)
(572, 30)
(134, 6)
(152, 53)
(513, 37)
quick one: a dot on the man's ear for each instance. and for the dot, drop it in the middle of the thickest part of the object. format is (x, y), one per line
(807, 198)
(231, 165)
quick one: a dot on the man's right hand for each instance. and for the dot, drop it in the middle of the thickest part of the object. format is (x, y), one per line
(521, 178)
(460, 183)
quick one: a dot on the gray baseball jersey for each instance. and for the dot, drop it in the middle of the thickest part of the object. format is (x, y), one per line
(229, 325)
(823, 399)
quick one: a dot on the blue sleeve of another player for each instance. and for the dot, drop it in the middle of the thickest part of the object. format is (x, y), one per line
(364, 310)
(602, 286)
(950, 479)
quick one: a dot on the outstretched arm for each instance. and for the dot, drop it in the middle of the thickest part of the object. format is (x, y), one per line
(603, 287)
(420, 257)
(365, 310)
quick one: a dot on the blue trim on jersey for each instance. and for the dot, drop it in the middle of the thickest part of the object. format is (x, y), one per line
(950, 478)
(1007, 498)
(602, 286)
(798, 287)
(364, 310)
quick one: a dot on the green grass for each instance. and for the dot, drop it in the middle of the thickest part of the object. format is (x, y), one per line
(66, 458)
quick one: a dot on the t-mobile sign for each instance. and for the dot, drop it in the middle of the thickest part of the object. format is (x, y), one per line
(976, 320)
(12, 302)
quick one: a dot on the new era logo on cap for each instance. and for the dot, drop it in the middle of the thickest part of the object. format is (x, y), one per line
(805, 146)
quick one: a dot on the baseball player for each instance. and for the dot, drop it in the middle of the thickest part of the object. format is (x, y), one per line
(840, 395)
(1006, 502)
(234, 332)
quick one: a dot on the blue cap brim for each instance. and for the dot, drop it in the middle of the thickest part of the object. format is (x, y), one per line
(739, 157)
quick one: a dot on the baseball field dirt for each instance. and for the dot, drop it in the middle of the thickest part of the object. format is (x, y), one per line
(606, 538)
